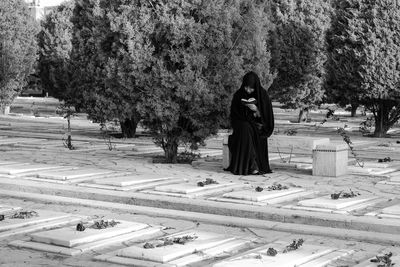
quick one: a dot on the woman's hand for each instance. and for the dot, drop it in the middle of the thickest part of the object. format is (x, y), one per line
(252, 107)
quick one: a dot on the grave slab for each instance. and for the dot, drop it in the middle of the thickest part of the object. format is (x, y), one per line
(131, 179)
(5, 209)
(189, 188)
(135, 187)
(149, 232)
(327, 202)
(73, 173)
(258, 257)
(368, 263)
(252, 195)
(14, 169)
(225, 249)
(43, 216)
(69, 237)
(164, 254)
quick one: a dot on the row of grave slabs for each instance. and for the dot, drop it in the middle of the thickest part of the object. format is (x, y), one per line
(229, 192)
(139, 244)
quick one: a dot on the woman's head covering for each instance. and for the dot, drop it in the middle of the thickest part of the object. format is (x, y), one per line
(251, 80)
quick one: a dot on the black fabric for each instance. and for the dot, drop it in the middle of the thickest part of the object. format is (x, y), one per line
(248, 144)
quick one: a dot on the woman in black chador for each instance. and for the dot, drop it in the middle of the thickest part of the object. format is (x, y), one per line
(252, 120)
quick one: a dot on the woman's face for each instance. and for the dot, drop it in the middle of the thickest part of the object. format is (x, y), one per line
(248, 89)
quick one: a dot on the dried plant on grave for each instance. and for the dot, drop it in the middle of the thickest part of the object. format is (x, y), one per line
(2, 217)
(383, 260)
(207, 182)
(342, 194)
(106, 136)
(271, 252)
(366, 126)
(168, 241)
(277, 186)
(387, 159)
(290, 155)
(80, 227)
(103, 224)
(294, 245)
(24, 214)
(67, 112)
(347, 140)
(259, 189)
(290, 132)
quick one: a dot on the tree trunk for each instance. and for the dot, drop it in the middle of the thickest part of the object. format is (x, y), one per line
(171, 150)
(128, 126)
(382, 124)
(354, 110)
(303, 114)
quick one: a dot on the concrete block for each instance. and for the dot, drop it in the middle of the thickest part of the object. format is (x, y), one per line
(330, 160)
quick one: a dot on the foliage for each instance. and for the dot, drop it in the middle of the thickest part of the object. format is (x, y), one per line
(370, 38)
(54, 40)
(17, 48)
(110, 53)
(201, 51)
(299, 51)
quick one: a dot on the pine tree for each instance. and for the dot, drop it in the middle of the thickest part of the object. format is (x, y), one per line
(17, 48)
(299, 52)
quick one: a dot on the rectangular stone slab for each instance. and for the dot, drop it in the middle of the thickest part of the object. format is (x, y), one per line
(165, 254)
(72, 174)
(69, 237)
(328, 203)
(132, 179)
(393, 210)
(252, 195)
(22, 168)
(259, 258)
(368, 263)
(188, 188)
(4, 209)
(43, 216)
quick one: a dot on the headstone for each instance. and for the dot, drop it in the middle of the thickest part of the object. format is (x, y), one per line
(70, 237)
(306, 254)
(330, 160)
(164, 254)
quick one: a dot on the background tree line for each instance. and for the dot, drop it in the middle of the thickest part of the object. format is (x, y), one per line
(173, 65)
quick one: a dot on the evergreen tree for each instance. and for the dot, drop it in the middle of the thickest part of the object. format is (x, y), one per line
(370, 36)
(343, 77)
(299, 52)
(55, 46)
(17, 48)
(201, 51)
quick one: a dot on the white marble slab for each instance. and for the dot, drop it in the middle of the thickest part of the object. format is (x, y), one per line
(368, 263)
(5, 209)
(69, 237)
(253, 195)
(43, 216)
(10, 162)
(23, 168)
(189, 188)
(327, 202)
(259, 257)
(149, 232)
(131, 179)
(393, 210)
(73, 173)
(165, 254)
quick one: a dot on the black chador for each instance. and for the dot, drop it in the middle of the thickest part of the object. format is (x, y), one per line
(252, 120)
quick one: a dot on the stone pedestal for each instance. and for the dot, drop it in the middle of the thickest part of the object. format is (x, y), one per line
(5, 110)
(226, 156)
(330, 160)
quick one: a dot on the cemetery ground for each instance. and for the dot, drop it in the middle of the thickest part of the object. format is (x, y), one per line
(156, 214)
